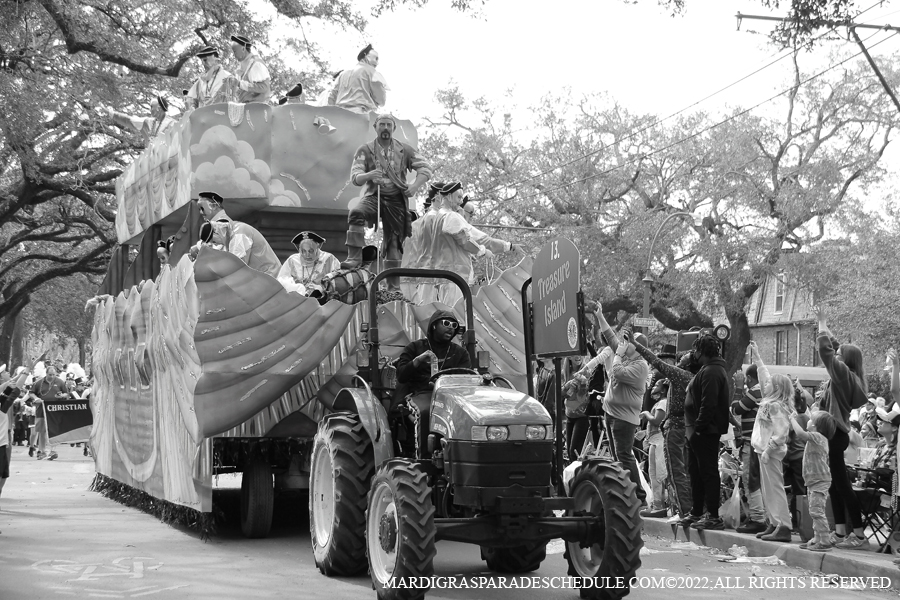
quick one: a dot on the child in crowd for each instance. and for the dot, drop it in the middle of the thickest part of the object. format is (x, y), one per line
(769, 440)
(656, 459)
(816, 474)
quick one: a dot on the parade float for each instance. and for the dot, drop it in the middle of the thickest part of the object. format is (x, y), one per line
(207, 366)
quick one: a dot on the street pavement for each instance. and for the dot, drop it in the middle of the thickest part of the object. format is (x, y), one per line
(58, 540)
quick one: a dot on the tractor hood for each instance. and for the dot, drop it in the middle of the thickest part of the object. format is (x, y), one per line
(461, 401)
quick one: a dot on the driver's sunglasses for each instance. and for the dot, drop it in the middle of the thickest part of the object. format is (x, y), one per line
(449, 323)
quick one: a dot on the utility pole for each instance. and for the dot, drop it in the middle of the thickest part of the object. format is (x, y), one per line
(851, 27)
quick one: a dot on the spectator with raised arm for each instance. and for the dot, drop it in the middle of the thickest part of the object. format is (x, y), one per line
(628, 375)
(846, 389)
(817, 475)
(675, 445)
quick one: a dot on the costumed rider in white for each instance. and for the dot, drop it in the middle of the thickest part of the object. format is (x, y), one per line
(158, 121)
(211, 87)
(241, 239)
(447, 244)
(254, 81)
(361, 89)
(303, 272)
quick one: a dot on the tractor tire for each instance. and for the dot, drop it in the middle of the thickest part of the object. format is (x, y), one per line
(602, 488)
(257, 497)
(520, 559)
(343, 462)
(400, 530)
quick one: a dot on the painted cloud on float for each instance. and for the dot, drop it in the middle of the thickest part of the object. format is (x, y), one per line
(236, 172)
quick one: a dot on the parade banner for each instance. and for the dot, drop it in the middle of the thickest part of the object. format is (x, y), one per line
(68, 421)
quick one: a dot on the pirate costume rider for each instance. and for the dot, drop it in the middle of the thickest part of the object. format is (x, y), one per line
(210, 87)
(303, 272)
(241, 239)
(382, 166)
(254, 81)
(361, 89)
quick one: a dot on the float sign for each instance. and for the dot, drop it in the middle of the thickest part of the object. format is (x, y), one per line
(555, 283)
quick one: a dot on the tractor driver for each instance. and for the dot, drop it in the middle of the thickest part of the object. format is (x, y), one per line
(414, 367)
(420, 359)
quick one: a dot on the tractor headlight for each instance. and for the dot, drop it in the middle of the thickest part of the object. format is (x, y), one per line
(535, 432)
(497, 433)
(493, 433)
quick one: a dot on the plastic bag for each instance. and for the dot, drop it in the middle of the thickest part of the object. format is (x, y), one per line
(730, 511)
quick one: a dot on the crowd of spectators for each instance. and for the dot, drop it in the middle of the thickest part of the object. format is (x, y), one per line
(798, 452)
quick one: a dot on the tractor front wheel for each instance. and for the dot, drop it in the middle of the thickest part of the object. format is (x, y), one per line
(400, 531)
(601, 488)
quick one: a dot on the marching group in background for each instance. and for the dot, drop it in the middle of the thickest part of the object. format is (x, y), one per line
(785, 438)
(22, 397)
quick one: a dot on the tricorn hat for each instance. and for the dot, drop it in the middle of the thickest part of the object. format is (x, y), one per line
(208, 51)
(239, 39)
(295, 91)
(668, 351)
(211, 196)
(307, 235)
(364, 52)
(450, 187)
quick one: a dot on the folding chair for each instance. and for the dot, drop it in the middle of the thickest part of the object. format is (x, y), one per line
(879, 507)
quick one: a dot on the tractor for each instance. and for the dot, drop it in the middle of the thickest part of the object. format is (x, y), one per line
(390, 477)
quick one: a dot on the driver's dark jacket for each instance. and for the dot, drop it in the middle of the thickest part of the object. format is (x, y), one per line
(416, 378)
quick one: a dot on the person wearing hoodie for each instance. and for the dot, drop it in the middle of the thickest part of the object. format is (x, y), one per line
(706, 408)
(846, 390)
(414, 367)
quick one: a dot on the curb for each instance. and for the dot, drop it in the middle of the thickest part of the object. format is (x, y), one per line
(845, 563)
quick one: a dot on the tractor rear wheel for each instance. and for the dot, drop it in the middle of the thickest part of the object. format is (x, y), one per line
(257, 497)
(400, 531)
(342, 465)
(603, 489)
(519, 559)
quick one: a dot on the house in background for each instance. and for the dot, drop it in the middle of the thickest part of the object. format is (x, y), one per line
(783, 325)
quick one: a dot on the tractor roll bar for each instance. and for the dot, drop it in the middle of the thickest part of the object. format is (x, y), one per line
(469, 340)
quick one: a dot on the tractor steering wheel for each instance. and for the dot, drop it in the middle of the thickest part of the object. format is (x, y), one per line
(453, 371)
(495, 379)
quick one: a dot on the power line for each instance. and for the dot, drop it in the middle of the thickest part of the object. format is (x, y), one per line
(706, 129)
(664, 119)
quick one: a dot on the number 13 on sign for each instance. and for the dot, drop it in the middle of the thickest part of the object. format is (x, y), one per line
(554, 250)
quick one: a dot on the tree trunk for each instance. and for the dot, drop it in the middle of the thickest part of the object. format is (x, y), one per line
(82, 352)
(736, 347)
(11, 338)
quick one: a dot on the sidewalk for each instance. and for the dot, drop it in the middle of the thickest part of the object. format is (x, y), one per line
(846, 563)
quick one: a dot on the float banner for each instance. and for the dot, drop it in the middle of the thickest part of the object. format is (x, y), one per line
(68, 421)
(555, 284)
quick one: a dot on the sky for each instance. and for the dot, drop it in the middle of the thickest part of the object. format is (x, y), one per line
(639, 54)
(517, 51)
